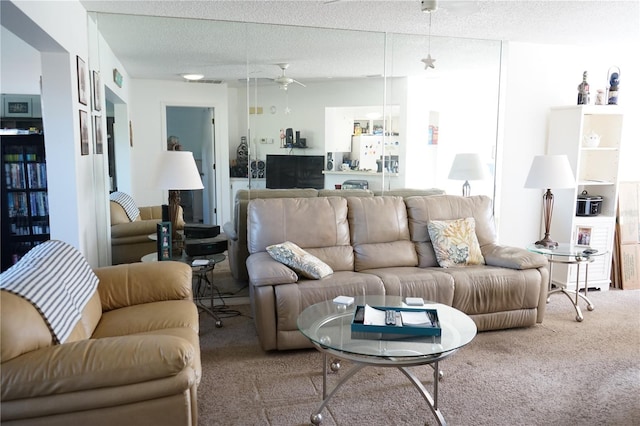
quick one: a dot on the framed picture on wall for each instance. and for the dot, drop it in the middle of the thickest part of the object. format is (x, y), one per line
(97, 94)
(583, 236)
(84, 133)
(82, 81)
(97, 135)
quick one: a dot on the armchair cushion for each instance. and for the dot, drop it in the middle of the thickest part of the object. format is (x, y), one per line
(127, 284)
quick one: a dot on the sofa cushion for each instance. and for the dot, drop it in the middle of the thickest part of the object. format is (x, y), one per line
(57, 280)
(318, 225)
(127, 203)
(455, 242)
(380, 233)
(422, 210)
(299, 260)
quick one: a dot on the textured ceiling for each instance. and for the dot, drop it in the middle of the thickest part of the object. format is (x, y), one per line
(151, 46)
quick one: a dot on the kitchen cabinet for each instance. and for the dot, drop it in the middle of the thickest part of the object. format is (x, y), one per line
(25, 206)
(595, 167)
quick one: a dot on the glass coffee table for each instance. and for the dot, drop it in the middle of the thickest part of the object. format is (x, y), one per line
(573, 255)
(328, 326)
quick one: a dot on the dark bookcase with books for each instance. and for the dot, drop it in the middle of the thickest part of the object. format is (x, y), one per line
(25, 206)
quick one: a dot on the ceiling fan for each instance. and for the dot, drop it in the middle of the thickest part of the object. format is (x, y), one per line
(283, 80)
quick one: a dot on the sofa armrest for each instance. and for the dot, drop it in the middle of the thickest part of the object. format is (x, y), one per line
(131, 229)
(96, 363)
(230, 231)
(264, 270)
(137, 283)
(512, 257)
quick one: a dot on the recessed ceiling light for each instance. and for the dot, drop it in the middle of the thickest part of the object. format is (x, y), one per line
(192, 76)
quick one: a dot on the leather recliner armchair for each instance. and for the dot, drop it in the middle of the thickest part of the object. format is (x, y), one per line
(132, 358)
(130, 240)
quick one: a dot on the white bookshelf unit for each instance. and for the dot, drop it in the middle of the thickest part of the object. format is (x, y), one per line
(596, 171)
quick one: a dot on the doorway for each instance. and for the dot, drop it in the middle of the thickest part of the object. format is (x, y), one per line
(193, 128)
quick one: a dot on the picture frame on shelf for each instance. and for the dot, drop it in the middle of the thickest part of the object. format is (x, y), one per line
(583, 236)
(97, 135)
(97, 94)
(84, 133)
(82, 80)
(164, 241)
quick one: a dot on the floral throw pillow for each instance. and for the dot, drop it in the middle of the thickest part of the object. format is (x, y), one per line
(455, 242)
(299, 260)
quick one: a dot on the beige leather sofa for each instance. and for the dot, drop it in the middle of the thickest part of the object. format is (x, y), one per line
(132, 359)
(236, 230)
(380, 245)
(130, 240)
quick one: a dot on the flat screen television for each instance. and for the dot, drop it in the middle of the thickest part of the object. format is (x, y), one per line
(294, 171)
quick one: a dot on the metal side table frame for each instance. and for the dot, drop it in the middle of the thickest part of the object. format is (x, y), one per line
(201, 272)
(571, 255)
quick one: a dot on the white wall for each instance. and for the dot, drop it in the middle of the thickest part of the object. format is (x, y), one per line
(22, 79)
(538, 78)
(149, 99)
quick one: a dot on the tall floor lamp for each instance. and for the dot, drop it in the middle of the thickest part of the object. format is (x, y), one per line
(467, 167)
(549, 171)
(177, 171)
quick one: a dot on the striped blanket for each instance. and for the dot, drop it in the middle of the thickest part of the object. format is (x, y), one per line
(127, 204)
(57, 280)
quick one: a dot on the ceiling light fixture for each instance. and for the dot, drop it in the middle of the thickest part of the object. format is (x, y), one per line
(192, 77)
(429, 6)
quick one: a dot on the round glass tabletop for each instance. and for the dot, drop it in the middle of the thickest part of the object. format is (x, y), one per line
(567, 250)
(328, 325)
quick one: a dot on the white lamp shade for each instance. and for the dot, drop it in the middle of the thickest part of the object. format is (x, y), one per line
(550, 171)
(468, 167)
(177, 171)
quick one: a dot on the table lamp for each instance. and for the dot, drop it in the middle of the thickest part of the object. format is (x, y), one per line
(549, 171)
(467, 167)
(177, 171)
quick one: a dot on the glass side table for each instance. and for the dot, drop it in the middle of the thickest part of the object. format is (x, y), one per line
(572, 255)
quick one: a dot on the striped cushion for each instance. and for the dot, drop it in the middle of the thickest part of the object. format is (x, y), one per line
(127, 204)
(57, 280)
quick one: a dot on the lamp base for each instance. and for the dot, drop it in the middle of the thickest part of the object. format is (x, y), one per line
(546, 242)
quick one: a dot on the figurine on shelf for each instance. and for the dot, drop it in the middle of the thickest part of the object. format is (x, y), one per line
(614, 82)
(583, 91)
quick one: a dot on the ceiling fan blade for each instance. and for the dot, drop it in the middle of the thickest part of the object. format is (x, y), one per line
(297, 82)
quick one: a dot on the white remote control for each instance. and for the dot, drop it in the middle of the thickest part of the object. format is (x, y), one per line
(414, 301)
(344, 300)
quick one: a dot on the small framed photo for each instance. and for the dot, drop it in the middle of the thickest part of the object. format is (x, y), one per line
(97, 94)
(84, 133)
(583, 236)
(164, 241)
(97, 129)
(82, 80)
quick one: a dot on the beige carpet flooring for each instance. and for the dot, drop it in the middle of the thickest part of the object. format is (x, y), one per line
(558, 373)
